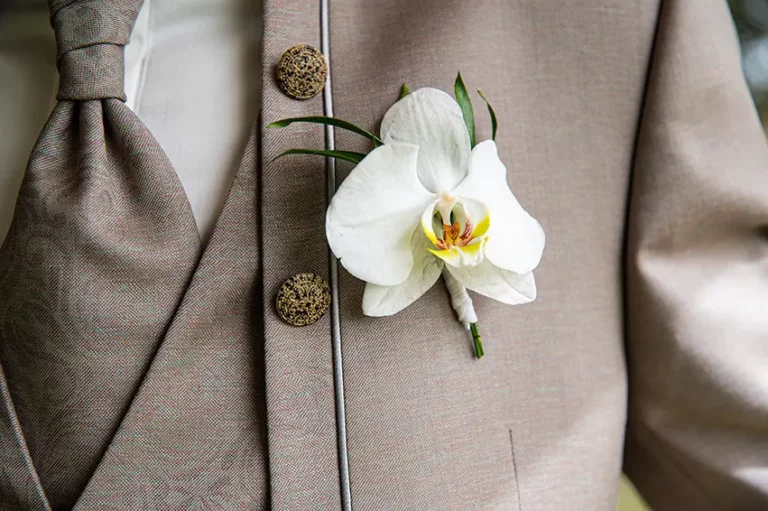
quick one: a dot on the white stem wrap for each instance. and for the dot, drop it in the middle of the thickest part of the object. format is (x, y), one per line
(460, 299)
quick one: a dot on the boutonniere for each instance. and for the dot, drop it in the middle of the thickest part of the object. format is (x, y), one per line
(428, 201)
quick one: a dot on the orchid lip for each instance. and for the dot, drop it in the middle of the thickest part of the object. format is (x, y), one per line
(458, 229)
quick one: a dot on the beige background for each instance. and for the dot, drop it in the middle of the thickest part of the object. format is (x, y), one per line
(629, 500)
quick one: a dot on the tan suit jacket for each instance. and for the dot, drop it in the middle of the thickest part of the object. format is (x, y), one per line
(627, 131)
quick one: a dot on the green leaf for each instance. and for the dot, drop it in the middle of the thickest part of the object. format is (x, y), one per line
(404, 91)
(340, 155)
(494, 121)
(332, 121)
(462, 98)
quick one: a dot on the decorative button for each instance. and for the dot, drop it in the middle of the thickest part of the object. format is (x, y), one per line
(301, 72)
(303, 299)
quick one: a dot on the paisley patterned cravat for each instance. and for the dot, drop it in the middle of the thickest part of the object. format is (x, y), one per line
(99, 254)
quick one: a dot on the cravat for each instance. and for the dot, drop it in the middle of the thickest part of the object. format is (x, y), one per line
(134, 376)
(99, 254)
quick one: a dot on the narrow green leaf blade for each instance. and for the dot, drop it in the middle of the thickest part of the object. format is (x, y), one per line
(332, 121)
(404, 91)
(462, 98)
(340, 155)
(494, 121)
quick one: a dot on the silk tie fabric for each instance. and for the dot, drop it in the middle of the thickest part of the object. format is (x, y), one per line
(99, 253)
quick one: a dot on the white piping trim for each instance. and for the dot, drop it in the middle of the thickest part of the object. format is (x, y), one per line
(338, 370)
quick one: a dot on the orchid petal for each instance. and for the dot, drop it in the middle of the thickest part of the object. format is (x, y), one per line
(515, 238)
(501, 285)
(374, 213)
(388, 300)
(432, 120)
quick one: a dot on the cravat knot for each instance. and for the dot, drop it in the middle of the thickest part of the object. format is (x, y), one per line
(90, 36)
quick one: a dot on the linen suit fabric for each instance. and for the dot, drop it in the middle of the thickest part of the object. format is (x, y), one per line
(697, 277)
(231, 409)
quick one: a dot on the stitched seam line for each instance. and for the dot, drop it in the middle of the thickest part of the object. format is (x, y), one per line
(514, 469)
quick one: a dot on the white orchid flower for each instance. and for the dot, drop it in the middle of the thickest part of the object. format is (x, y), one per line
(426, 201)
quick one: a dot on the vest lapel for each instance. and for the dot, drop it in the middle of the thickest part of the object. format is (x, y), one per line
(195, 434)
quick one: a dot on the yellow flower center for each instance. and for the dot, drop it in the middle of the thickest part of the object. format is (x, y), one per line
(453, 228)
(454, 236)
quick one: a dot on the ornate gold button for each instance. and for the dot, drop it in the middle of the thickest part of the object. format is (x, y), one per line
(302, 71)
(303, 299)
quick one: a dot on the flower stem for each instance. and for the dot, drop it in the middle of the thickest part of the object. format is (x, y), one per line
(479, 352)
